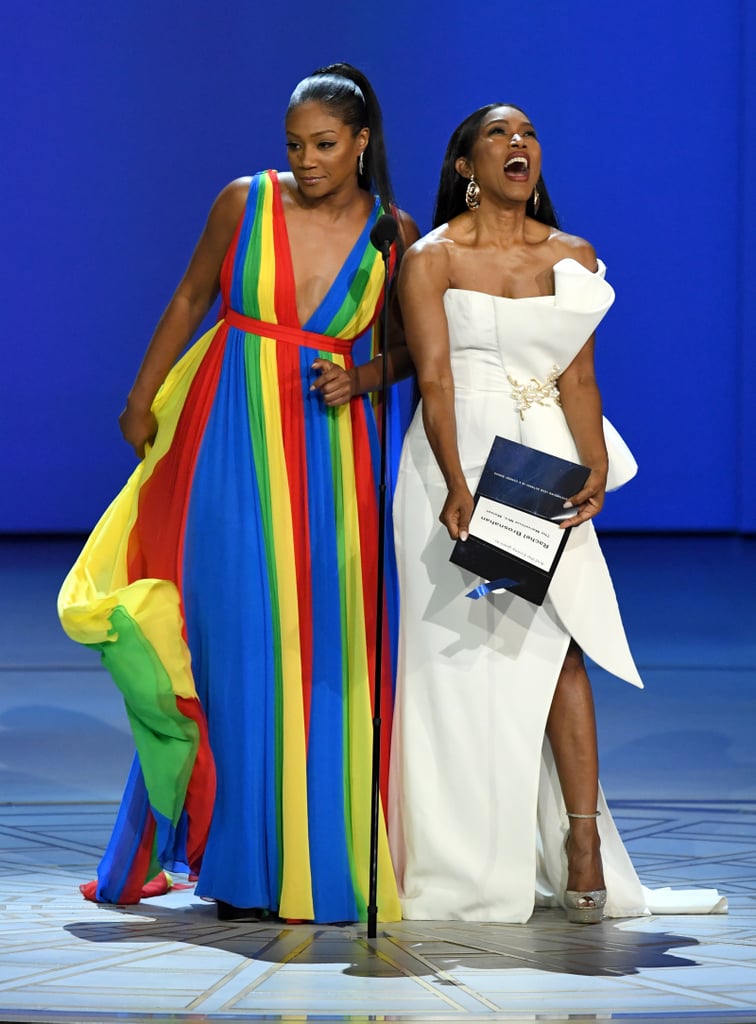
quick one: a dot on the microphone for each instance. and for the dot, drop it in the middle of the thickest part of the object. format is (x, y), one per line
(384, 233)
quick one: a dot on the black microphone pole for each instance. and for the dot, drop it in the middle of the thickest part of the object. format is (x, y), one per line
(383, 234)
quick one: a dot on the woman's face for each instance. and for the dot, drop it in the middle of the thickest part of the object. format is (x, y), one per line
(506, 155)
(323, 151)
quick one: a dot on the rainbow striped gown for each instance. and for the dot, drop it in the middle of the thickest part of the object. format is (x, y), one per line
(230, 590)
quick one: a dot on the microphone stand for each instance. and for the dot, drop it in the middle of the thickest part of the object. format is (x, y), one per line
(384, 245)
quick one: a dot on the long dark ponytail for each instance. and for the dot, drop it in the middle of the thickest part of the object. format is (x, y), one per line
(348, 93)
(450, 198)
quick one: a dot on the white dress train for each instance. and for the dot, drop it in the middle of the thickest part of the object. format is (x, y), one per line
(476, 817)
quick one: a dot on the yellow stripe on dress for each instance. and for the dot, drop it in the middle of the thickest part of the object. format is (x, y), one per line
(359, 708)
(362, 317)
(266, 274)
(296, 883)
(98, 581)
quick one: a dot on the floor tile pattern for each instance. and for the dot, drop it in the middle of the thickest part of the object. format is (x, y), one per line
(678, 765)
(171, 955)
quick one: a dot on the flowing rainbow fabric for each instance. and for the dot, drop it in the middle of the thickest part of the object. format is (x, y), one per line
(230, 590)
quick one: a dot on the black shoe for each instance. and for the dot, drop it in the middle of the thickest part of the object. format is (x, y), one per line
(228, 912)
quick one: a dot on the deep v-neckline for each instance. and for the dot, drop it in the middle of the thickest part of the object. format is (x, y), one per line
(286, 261)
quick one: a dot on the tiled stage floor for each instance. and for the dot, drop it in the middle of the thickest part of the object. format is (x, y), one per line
(678, 764)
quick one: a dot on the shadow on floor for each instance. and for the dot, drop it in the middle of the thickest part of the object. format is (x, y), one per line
(547, 943)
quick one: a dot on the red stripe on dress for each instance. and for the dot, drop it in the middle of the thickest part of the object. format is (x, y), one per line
(227, 267)
(368, 519)
(291, 335)
(294, 439)
(140, 865)
(200, 793)
(295, 453)
(156, 543)
(284, 295)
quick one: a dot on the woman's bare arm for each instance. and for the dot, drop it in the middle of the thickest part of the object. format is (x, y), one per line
(423, 280)
(191, 301)
(581, 404)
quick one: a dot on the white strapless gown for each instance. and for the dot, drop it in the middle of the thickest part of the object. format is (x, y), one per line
(476, 816)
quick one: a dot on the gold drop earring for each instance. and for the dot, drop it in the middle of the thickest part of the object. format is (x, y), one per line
(472, 194)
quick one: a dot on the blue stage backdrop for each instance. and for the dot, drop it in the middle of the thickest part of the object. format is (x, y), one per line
(121, 122)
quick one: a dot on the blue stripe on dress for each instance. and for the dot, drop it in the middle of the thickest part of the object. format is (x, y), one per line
(113, 870)
(237, 290)
(333, 895)
(229, 624)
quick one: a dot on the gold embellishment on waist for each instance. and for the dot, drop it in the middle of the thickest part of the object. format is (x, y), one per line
(536, 392)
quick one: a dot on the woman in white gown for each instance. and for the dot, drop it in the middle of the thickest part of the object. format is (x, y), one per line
(495, 800)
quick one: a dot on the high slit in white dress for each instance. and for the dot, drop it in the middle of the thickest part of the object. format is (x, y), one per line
(477, 821)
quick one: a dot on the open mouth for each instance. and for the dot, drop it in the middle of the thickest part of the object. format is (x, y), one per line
(517, 167)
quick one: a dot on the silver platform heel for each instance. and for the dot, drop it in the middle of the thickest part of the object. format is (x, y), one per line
(584, 907)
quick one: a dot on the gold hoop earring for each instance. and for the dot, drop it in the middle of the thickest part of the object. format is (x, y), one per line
(361, 164)
(472, 194)
(536, 199)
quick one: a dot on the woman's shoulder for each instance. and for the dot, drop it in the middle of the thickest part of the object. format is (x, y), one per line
(238, 189)
(408, 229)
(427, 262)
(566, 246)
(230, 203)
(433, 249)
(231, 199)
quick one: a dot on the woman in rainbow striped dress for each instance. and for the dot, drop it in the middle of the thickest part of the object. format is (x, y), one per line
(230, 587)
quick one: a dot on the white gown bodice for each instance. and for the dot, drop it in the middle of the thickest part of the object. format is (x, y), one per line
(528, 337)
(517, 348)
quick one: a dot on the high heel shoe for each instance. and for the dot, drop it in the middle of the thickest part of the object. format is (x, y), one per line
(584, 907)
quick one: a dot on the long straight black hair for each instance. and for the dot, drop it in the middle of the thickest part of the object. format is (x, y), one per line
(450, 198)
(348, 94)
